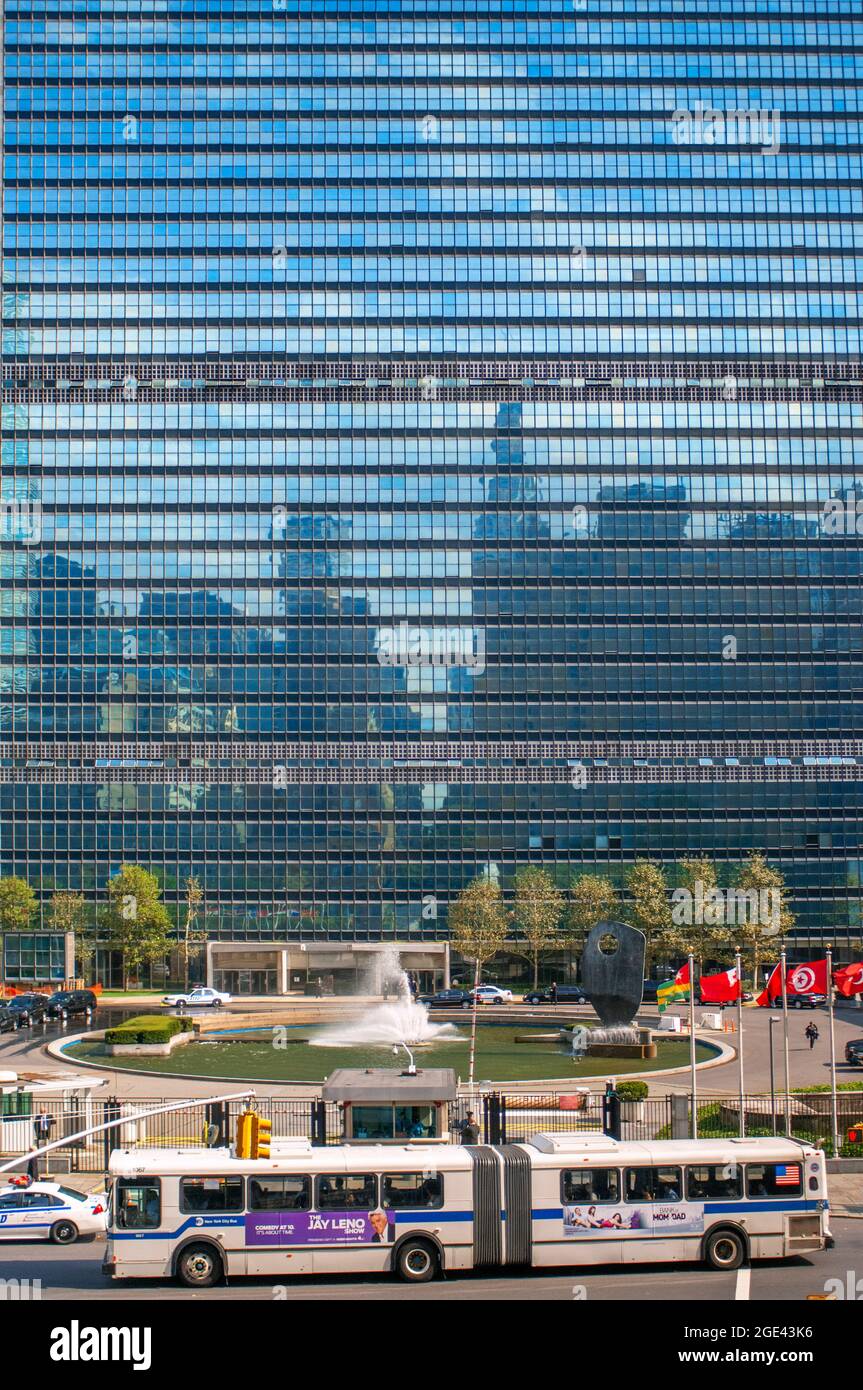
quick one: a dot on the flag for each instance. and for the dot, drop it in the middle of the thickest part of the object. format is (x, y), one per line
(787, 1175)
(808, 979)
(849, 980)
(723, 988)
(773, 989)
(674, 991)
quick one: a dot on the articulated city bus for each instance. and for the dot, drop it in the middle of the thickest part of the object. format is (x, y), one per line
(418, 1209)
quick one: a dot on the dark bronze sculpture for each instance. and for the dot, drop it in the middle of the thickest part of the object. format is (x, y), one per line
(614, 977)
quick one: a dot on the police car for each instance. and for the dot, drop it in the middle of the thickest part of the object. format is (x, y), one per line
(49, 1211)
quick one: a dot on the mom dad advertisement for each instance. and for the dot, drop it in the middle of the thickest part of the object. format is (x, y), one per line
(592, 1221)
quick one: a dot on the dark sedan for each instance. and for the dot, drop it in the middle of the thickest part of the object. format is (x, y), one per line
(447, 999)
(9, 1020)
(71, 1003)
(565, 994)
(806, 1001)
(30, 1008)
(854, 1052)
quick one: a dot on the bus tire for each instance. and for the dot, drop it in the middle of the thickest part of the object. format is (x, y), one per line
(417, 1261)
(64, 1233)
(725, 1249)
(199, 1266)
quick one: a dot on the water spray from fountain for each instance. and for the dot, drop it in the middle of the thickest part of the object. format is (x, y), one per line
(402, 1022)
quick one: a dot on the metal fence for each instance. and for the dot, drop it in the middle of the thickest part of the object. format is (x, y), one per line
(502, 1117)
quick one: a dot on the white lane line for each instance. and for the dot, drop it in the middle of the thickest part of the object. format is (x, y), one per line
(741, 1290)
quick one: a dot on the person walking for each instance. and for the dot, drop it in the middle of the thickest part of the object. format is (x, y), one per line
(42, 1126)
(554, 991)
(812, 1034)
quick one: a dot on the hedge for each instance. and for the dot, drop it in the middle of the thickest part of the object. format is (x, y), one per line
(632, 1090)
(148, 1028)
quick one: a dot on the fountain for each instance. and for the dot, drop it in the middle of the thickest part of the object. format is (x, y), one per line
(385, 1025)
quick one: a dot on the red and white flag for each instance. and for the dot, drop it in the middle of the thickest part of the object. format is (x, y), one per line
(849, 980)
(810, 978)
(723, 988)
(772, 990)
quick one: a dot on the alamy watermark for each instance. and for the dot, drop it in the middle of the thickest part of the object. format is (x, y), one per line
(409, 645)
(20, 521)
(706, 125)
(702, 906)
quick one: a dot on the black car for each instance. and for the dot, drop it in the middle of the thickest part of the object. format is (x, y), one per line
(854, 1052)
(10, 1021)
(71, 1003)
(30, 1008)
(566, 994)
(447, 999)
(806, 1001)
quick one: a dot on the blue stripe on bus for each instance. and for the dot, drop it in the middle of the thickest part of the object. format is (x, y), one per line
(803, 1204)
(403, 1218)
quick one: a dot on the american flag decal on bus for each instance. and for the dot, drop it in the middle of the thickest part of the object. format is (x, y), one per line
(787, 1174)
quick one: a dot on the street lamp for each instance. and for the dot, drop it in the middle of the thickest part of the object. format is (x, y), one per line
(412, 1071)
(773, 1019)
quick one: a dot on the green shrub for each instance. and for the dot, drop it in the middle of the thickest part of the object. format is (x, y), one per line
(147, 1028)
(632, 1090)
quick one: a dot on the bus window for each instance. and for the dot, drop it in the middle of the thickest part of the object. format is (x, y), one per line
(137, 1204)
(590, 1185)
(211, 1194)
(774, 1180)
(653, 1185)
(708, 1181)
(280, 1194)
(347, 1190)
(412, 1190)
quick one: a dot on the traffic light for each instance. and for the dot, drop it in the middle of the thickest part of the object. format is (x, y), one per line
(855, 1133)
(261, 1134)
(245, 1131)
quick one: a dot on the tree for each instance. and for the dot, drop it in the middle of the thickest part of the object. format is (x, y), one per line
(136, 918)
(698, 914)
(592, 899)
(765, 914)
(478, 921)
(67, 911)
(194, 896)
(537, 910)
(478, 927)
(18, 904)
(648, 909)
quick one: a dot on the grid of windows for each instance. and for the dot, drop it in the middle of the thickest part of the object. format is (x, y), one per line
(344, 181)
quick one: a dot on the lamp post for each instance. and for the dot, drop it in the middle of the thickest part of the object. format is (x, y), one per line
(773, 1019)
(412, 1071)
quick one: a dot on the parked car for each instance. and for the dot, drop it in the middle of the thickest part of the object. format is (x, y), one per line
(725, 1004)
(30, 1008)
(200, 998)
(492, 994)
(566, 994)
(10, 1021)
(49, 1211)
(806, 1001)
(447, 999)
(854, 1052)
(648, 991)
(72, 1003)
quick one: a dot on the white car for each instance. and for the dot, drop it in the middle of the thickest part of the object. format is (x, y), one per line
(198, 998)
(491, 994)
(49, 1211)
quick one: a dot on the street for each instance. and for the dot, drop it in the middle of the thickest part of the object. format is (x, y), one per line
(75, 1273)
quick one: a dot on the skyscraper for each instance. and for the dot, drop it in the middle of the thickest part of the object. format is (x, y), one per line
(432, 444)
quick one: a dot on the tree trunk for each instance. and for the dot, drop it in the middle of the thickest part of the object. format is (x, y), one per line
(535, 969)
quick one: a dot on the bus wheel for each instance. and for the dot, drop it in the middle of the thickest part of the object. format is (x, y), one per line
(725, 1250)
(64, 1233)
(417, 1262)
(199, 1267)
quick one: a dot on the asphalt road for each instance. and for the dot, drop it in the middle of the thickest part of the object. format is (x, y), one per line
(74, 1274)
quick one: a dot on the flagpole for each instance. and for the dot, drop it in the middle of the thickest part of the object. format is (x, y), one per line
(834, 1107)
(694, 1121)
(739, 968)
(782, 966)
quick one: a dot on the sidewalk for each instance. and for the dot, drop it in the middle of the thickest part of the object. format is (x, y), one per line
(846, 1194)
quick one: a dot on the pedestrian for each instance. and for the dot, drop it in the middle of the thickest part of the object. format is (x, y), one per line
(812, 1034)
(319, 988)
(42, 1126)
(554, 991)
(470, 1129)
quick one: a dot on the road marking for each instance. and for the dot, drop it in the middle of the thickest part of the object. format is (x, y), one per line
(744, 1278)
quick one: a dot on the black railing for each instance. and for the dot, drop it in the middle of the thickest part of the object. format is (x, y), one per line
(503, 1117)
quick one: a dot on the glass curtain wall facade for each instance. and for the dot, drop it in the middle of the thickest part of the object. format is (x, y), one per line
(432, 438)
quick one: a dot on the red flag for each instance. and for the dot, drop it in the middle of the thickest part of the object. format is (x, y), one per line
(773, 990)
(849, 980)
(810, 978)
(723, 988)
